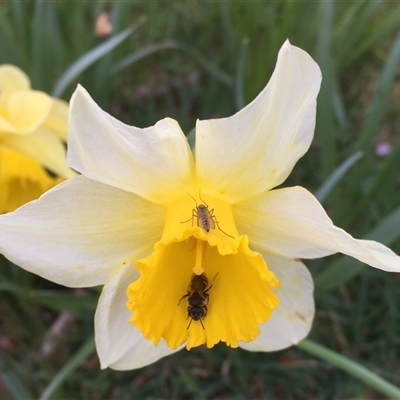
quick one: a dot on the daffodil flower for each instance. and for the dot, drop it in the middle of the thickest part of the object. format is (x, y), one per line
(33, 127)
(192, 249)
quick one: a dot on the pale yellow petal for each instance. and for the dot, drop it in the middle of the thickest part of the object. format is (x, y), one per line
(26, 110)
(11, 79)
(291, 222)
(77, 232)
(21, 180)
(255, 149)
(5, 126)
(57, 119)
(44, 147)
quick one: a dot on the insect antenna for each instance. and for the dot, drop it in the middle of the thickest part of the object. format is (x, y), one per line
(193, 199)
(190, 322)
(202, 199)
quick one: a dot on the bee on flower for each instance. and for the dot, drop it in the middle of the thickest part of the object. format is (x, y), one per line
(198, 298)
(33, 129)
(122, 224)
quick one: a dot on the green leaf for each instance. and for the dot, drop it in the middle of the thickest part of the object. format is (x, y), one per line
(92, 56)
(69, 368)
(170, 44)
(239, 90)
(11, 380)
(383, 178)
(142, 53)
(336, 176)
(46, 48)
(353, 368)
(191, 138)
(9, 50)
(325, 121)
(53, 299)
(366, 31)
(379, 101)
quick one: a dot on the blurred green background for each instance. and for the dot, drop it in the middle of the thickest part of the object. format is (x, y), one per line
(206, 59)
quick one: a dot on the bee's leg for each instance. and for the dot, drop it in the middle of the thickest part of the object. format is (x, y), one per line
(212, 283)
(185, 295)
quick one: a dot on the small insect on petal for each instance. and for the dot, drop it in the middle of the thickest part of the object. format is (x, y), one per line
(205, 217)
(198, 298)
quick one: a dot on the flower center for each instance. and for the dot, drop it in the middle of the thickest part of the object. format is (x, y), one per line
(202, 284)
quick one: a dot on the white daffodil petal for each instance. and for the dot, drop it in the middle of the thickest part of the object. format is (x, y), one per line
(120, 345)
(291, 222)
(291, 321)
(151, 162)
(77, 232)
(256, 149)
(43, 147)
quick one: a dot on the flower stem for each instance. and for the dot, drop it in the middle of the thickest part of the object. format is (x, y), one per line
(363, 374)
(198, 269)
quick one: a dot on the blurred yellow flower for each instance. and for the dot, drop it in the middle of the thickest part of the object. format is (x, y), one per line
(196, 248)
(33, 127)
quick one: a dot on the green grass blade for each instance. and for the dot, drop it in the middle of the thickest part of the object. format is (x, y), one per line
(346, 268)
(325, 123)
(191, 138)
(382, 179)
(187, 379)
(372, 124)
(56, 300)
(239, 87)
(375, 30)
(205, 63)
(339, 106)
(8, 52)
(92, 56)
(351, 26)
(69, 368)
(12, 382)
(379, 101)
(357, 370)
(62, 301)
(142, 53)
(46, 48)
(322, 193)
(170, 44)
(19, 18)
